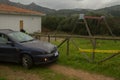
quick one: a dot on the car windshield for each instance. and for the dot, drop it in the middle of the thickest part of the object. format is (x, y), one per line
(21, 37)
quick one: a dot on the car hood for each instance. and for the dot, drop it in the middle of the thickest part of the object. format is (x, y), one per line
(40, 45)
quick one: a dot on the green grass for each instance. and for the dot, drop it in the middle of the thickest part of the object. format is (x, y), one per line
(77, 60)
(1, 78)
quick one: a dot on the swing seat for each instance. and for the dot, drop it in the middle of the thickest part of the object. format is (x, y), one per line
(98, 51)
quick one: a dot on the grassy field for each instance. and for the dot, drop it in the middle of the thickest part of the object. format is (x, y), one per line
(77, 60)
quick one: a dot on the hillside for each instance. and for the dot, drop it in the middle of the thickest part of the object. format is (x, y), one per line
(31, 6)
(68, 12)
(113, 10)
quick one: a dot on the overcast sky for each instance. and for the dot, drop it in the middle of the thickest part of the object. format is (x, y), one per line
(70, 4)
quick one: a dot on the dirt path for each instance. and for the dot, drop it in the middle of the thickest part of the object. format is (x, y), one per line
(82, 75)
(67, 71)
(14, 75)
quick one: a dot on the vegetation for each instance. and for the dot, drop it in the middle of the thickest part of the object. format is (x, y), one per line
(74, 60)
(78, 61)
(1, 78)
(113, 10)
(67, 24)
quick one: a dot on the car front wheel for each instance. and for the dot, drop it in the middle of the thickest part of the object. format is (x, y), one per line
(27, 61)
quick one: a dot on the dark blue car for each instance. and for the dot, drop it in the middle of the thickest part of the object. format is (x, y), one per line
(19, 47)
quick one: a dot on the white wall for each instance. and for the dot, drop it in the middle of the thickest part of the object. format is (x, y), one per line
(31, 23)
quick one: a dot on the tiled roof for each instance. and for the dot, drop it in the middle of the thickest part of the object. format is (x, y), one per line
(7, 9)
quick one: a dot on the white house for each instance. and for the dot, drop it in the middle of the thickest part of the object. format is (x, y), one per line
(16, 18)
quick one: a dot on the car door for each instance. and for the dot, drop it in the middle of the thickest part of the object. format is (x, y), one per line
(8, 52)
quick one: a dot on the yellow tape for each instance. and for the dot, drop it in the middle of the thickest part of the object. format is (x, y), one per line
(99, 51)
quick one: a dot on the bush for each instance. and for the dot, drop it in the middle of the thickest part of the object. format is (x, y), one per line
(70, 23)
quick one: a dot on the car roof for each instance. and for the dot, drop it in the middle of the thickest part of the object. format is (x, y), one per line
(6, 31)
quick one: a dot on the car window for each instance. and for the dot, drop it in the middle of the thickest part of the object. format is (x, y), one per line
(20, 37)
(3, 39)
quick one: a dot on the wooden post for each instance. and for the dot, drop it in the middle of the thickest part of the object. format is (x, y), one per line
(62, 43)
(108, 27)
(94, 47)
(39, 37)
(55, 38)
(68, 43)
(109, 57)
(92, 40)
(84, 54)
(48, 38)
(87, 27)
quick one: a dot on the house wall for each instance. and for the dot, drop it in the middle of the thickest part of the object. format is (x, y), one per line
(30, 23)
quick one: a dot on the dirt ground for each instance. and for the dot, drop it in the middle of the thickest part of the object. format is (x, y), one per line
(82, 75)
(15, 75)
(67, 71)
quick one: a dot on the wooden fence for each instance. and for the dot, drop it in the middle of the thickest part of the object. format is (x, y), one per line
(38, 36)
(66, 38)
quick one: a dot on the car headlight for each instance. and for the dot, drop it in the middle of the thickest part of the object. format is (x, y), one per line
(56, 53)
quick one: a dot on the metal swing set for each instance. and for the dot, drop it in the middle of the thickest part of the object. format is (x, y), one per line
(92, 39)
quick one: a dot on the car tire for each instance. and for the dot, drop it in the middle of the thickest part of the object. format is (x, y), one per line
(27, 61)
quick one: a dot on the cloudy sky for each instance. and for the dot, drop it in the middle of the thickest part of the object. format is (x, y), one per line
(70, 4)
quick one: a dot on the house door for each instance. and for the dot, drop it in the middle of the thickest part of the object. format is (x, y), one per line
(21, 24)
